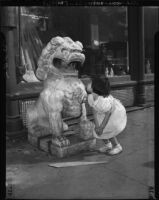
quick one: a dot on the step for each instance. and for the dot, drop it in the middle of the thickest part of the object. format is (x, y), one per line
(76, 145)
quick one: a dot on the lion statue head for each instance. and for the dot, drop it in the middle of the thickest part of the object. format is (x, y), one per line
(61, 57)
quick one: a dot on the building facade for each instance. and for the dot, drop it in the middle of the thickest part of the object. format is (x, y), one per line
(125, 33)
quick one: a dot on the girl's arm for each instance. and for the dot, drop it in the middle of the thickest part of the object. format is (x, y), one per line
(99, 129)
(95, 118)
(105, 120)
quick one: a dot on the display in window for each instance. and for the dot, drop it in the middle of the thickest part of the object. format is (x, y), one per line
(38, 25)
(151, 24)
(105, 62)
(113, 39)
(147, 67)
(31, 44)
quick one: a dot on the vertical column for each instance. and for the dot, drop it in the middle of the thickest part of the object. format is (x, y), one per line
(12, 106)
(9, 24)
(137, 50)
(127, 43)
(141, 87)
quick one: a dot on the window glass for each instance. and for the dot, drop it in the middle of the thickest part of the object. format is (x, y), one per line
(151, 24)
(113, 37)
(33, 23)
(38, 25)
(102, 31)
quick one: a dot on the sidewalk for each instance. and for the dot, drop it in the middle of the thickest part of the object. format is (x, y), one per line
(127, 175)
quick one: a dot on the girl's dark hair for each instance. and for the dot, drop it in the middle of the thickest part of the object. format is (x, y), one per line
(101, 86)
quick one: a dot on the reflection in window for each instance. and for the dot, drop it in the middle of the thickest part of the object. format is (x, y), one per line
(113, 39)
(32, 21)
(102, 30)
(151, 24)
(38, 25)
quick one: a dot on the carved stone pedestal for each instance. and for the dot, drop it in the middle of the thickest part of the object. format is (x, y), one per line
(76, 145)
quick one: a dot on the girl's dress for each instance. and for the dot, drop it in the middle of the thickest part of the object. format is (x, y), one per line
(118, 117)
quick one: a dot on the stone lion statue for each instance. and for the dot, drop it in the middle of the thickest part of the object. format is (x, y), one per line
(63, 94)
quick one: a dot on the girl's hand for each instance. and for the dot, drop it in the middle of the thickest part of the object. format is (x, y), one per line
(99, 130)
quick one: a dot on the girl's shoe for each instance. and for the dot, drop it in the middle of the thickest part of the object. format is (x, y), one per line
(116, 150)
(106, 147)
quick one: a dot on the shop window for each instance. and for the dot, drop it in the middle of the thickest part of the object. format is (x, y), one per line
(38, 25)
(102, 30)
(33, 23)
(108, 53)
(112, 41)
(151, 24)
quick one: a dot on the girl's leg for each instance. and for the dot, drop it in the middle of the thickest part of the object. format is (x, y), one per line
(106, 141)
(117, 148)
(107, 146)
(114, 141)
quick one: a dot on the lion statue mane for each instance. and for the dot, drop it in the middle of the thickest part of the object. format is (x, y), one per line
(64, 94)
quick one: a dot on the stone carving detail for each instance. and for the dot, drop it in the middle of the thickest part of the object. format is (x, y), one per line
(63, 94)
(63, 51)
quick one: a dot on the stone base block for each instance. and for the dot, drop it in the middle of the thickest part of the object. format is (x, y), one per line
(76, 145)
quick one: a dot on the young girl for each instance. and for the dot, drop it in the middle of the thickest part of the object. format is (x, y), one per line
(109, 115)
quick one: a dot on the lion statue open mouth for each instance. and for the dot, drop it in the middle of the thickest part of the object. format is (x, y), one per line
(64, 95)
(61, 57)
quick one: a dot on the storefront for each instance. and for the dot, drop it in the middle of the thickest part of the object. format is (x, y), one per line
(125, 33)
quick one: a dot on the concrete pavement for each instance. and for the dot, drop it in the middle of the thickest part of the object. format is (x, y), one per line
(127, 175)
